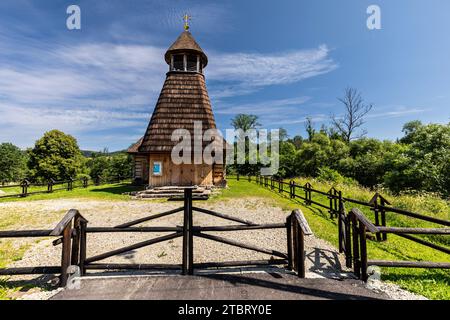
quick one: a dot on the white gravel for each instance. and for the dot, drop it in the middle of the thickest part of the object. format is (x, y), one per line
(323, 260)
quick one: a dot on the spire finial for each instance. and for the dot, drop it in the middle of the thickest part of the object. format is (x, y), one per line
(186, 19)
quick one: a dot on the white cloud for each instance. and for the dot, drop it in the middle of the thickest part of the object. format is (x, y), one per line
(250, 71)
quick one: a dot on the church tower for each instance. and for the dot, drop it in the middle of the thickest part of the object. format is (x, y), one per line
(183, 100)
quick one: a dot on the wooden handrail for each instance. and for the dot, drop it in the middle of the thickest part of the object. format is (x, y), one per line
(366, 222)
(298, 214)
(398, 230)
(65, 221)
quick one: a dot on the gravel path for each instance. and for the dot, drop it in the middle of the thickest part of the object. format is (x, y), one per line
(323, 260)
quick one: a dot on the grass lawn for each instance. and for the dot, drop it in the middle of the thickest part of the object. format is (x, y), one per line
(102, 192)
(434, 284)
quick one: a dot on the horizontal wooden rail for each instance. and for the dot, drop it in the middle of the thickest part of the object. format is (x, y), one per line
(223, 216)
(409, 264)
(416, 215)
(240, 244)
(425, 243)
(131, 266)
(131, 229)
(25, 233)
(240, 227)
(241, 263)
(397, 230)
(132, 247)
(30, 270)
(148, 218)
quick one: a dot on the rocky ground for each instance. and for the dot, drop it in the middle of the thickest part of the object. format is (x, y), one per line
(323, 260)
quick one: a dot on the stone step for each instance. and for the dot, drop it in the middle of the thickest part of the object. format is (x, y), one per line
(153, 191)
(170, 195)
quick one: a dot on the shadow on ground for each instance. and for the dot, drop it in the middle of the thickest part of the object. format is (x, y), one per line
(119, 189)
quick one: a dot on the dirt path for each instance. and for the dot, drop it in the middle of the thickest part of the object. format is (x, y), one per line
(323, 260)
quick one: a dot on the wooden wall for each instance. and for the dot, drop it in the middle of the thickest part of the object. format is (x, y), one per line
(183, 174)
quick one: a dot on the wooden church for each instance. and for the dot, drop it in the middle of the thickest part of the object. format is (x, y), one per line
(183, 100)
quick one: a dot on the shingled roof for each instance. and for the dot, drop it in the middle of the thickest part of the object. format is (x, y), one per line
(183, 100)
(185, 43)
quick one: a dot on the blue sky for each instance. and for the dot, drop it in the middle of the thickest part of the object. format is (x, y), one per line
(281, 60)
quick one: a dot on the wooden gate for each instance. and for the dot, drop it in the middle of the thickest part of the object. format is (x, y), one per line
(74, 241)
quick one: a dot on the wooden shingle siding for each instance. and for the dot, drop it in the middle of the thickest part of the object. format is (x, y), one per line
(177, 108)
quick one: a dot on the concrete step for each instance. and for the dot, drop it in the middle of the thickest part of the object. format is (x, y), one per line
(180, 191)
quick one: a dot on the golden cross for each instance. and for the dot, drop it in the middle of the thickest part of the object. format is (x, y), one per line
(186, 19)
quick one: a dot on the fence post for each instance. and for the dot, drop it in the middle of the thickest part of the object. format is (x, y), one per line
(188, 254)
(74, 260)
(83, 240)
(25, 185)
(70, 184)
(290, 189)
(383, 218)
(340, 223)
(348, 241)
(293, 189)
(289, 240)
(336, 208)
(330, 197)
(363, 246)
(280, 185)
(355, 234)
(50, 185)
(376, 212)
(307, 193)
(295, 259)
(85, 182)
(237, 177)
(249, 178)
(66, 254)
(301, 252)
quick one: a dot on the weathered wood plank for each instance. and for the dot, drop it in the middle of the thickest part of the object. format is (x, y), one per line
(303, 222)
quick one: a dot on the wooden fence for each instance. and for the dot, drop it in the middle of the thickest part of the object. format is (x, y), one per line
(353, 226)
(54, 185)
(75, 240)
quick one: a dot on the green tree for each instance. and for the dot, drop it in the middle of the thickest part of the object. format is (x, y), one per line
(56, 155)
(309, 127)
(245, 122)
(426, 163)
(296, 141)
(12, 163)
